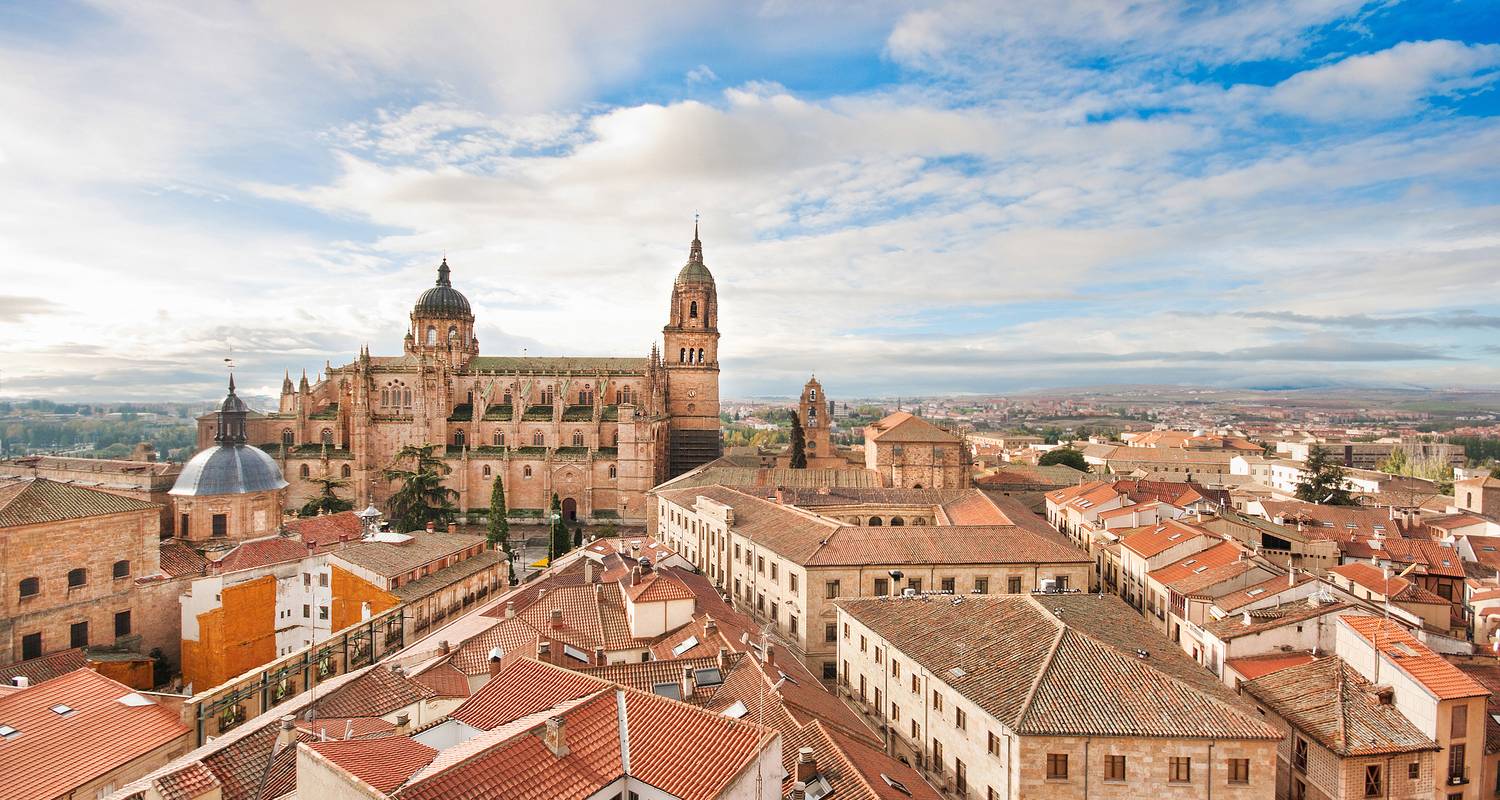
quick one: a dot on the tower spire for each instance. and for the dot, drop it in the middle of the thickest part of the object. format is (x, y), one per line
(444, 272)
(695, 253)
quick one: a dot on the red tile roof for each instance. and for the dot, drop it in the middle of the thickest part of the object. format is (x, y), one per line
(188, 783)
(46, 667)
(1371, 578)
(263, 553)
(527, 687)
(41, 500)
(1151, 540)
(445, 681)
(1264, 590)
(657, 587)
(1332, 703)
(354, 727)
(1444, 680)
(1252, 667)
(1201, 562)
(378, 691)
(100, 734)
(904, 427)
(328, 529)
(180, 561)
(383, 763)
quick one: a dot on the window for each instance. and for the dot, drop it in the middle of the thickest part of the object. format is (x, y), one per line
(31, 587)
(1414, 772)
(498, 439)
(760, 564)
(937, 701)
(538, 440)
(1057, 766)
(345, 472)
(882, 587)
(1180, 769)
(994, 744)
(458, 439)
(307, 579)
(322, 579)
(526, 472)
(77, 577)
(916, 683)
(1114, 768)
(1299, 789)
(693, 310)
(221, 521)
(914, 584)
(31, 646)
(306, 611)
(1062, 583)
(122, 569)
(863, 643)
(122, 623)
(327, 437)
(578, 438)
(791, 579)
(791, 624)
(304, 471)
(1459, 722)
(830, 670)
(830, 632)
(948, 585)
(916, 730)
(486, 470)
(1013, 585)
(981, 586)
(1372, 780)
(613, 472)
(960, 778)
(78, 634)
(937, 753)
(547, 395)
(961, 719)
(1455, 762)
(831, 589)
(1239, 770)
(1299, 754)
(322, 612)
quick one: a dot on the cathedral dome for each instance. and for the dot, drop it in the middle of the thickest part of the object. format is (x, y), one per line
(229, 469)
(443, 301)
(694, 270)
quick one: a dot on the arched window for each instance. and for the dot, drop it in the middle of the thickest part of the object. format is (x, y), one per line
(458, 438)
(526, 472)
(919, 521)
(506, 401)
(875, 522)
(452, 333)
(693, 310)
(700, 355)
(682, 355)
(406, 399)
(31, 587)
(612, 472)
(897, 521)
(345, 472)
(538, 440)
(327, 436)
(77, 577)
(578, 438)
(431, 335)
(548, 393)
(614, 439)
(499, 439)
(385, 397)
(812, 394)
(288, 438)
(625, 395)
(121, 569)
(304, 471)
(486, 471)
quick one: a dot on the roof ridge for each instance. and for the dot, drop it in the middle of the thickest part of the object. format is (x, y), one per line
(1047, 663)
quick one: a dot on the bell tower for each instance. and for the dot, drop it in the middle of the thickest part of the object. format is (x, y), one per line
(817, 416)
(691, 362)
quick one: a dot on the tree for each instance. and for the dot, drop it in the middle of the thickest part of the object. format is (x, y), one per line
(578, 535)
(327, 499)
(1323, 480)
(499, 528)
(799, 444)
(1066, 456)
(1396, 464)
(422, 497)
(558, 539)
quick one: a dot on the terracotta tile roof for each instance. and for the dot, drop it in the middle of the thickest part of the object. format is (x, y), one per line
(383, 763)
(1175, 493)
(1264, 590)
(389, 560)
(645, 675)
(378, 691)
(1252, 667)
(1151, 540)
(41, 500)
(99, 735)
(851, 766)
(1264, 619)
(1335, 521)
(904, 427)
(1195, 565)
(1334, 705)
(240, 766)
(854, 545)
(444, 680)
(1027, 665)
(1061, 496)
(338, 727)
(1444, 680)
(46, 667)
(188, 783)
(1371, 578)
(974, 508)
(1416, 594)
(657, 587)
(328, 529)
(263, 553)
(525, 687)
(180, 561)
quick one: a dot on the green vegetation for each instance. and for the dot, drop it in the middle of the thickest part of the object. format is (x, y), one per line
(327, 499)
(557, 540)
(1323, 480)
(499, 527)
(422, 497)
(96, 431)
(1065, 456)
(799, 444)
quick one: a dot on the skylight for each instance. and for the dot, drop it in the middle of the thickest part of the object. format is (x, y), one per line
(7, 732)
(1174, 537)
(818, 788)
(735, 711)
(895, 784)
(1190, 562)
(685, 645)
(574, 653)
(710, 676)
(62, 710)
(1254, 592)
(1200, 569)
(957, 672)
(672, 690)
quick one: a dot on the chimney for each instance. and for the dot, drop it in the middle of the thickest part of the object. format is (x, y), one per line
(403, 724)
(543, 650)
(799, 791)
(555, 737)
(20, 681)
(1245, 619)
(635, 575)
(588, 570)
(723, 658)
(709, 626)
(556, 619)
(807, 766)
(453, 527)
(431, 526)
(599, 656)
(688, 684)
(286, 736)
(1291, 577)
(510, 608)
(768, 656)
(443, 647)
(496, 656)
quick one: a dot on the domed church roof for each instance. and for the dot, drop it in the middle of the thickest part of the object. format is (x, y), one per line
(230, 466)
(694, 270)
(443, 301)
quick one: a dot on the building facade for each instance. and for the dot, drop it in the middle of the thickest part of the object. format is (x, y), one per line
(598, 432)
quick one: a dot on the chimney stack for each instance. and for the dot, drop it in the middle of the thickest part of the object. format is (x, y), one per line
(768, 656)
(709, 626)
(807, 766)
(443, 647)
(510, 608)
(20, 681)
(403, 724)
(453, 527)
(431, 526)
(688, 684)
(588, 570)
(799, 791)
(286, 736)
(1291, 577)
(635, 575)
(556, 618)
(496, 656)
(555, 737)
(599, 658)
(544, 650)
(723, 658)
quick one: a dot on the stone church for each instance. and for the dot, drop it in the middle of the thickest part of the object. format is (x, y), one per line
(600, 432)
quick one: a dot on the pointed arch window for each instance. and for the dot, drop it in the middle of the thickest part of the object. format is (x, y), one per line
(499, 439)
(693, 310)
(682, 355)
(304, 471)
(538, 440)
(547, 395)
(612, 472)
(578, 438)
(486, 471)
(458, 438)
(345, 472)
(431, 334)
(700, 355)
(327, 437)
(526, 472)
(406, 399)
(288, 438)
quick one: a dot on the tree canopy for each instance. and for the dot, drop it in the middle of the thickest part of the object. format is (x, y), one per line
(799, 444)
(1323, 480)
(422, 497)
(1065, 456)
(327, 500)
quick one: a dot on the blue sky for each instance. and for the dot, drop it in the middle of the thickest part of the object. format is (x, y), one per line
(905, 198)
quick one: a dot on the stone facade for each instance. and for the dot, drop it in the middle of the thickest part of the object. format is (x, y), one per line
(147, 480)
(912, 453)
(598, 432)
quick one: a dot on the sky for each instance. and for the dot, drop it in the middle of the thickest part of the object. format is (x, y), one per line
(901, 197)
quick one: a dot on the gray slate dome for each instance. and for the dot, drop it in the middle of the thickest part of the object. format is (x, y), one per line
(443, 301)
(229, 469)
(694, 271)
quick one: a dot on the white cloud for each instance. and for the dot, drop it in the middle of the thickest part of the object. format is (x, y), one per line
(1389, 83)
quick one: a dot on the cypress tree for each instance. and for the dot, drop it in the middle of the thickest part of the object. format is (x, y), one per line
(799, 444)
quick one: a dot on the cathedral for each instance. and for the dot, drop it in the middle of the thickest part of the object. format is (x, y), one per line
(599, 432)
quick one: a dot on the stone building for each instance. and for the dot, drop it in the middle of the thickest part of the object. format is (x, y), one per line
(598, 432)
(912, 453)
(71, 557)
(231, 491)
(142, 478)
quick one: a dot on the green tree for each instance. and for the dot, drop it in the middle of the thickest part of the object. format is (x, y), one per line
(578, 535)
(557, 540)
(1396, 464)
(327, 499)
(1323, 480)
(422, 497)
(499, 527)
(1066, 456)
(799, 444)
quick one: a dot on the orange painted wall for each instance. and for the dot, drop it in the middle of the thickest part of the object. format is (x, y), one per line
(135, 674)
(350, 592)
(238, 636)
